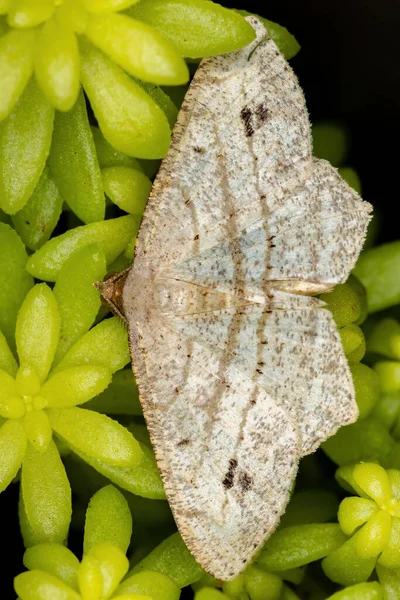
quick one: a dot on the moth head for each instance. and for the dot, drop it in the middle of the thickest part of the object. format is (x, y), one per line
(111, 289)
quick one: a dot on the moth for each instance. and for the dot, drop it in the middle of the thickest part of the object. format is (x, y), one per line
(239, 367)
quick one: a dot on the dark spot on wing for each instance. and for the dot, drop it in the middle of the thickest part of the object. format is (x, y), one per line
(184, 442)
(245, 481)
(262, 112)
(227, 482)
(246, 115)
(199, 149)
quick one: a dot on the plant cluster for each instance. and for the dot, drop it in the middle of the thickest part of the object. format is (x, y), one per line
(90, 90)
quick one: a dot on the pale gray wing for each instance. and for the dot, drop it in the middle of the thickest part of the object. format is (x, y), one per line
(290, 347)
(226, 452)
(307, 244)
(241, 143)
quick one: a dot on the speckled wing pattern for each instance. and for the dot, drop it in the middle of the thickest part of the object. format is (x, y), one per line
(240, 370)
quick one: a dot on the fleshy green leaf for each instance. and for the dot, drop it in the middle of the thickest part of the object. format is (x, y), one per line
(149, 583)
(38, 429)
(345, 566)
(299, 545)
(162, 99)
(367, 388)
(261, 585)
(7, 360)
(46, 495)
(209, 593)
(361, 591)
(384, 338)
(390, 581)
(387, 410)
(24, 13)
(143, 479)
(389, 375)
(105, 439)
(331, 142)
(12, 451)
(374, 536)
(344, 477)
(127, 188)
(378, 269)
(361, 440)
(374, 481)
(36, 221)
(27, 381)
(107, 6)
(16, 282)
(108, 156)
(172, 558)
(129, 119)
(352, 178)
(55, 559)
(138, 48)
(347, 302)
(37, 329)
(196, 27)
(310, 506)
(394, 480)
(12, 408)
(57, 65)
(28, 536)
(353, 342)
(120, 398)
(113, 566)
(390, 556)
(25, 138)
(106, 345)
(73, 162)
(7, 385)
(288, 594)
(72, 15)
(75, 385)
(108, 520)
(77, 298)
(233, 588)
(16, 66)
(38, 585)
(112, 236)
(354, 512)
(90, 580)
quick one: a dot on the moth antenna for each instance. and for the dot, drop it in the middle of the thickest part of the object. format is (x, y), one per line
(264, 39)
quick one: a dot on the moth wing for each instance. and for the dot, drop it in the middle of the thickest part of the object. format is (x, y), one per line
(307, 244)
(290, 348)
(226, 452)
(241, 141)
